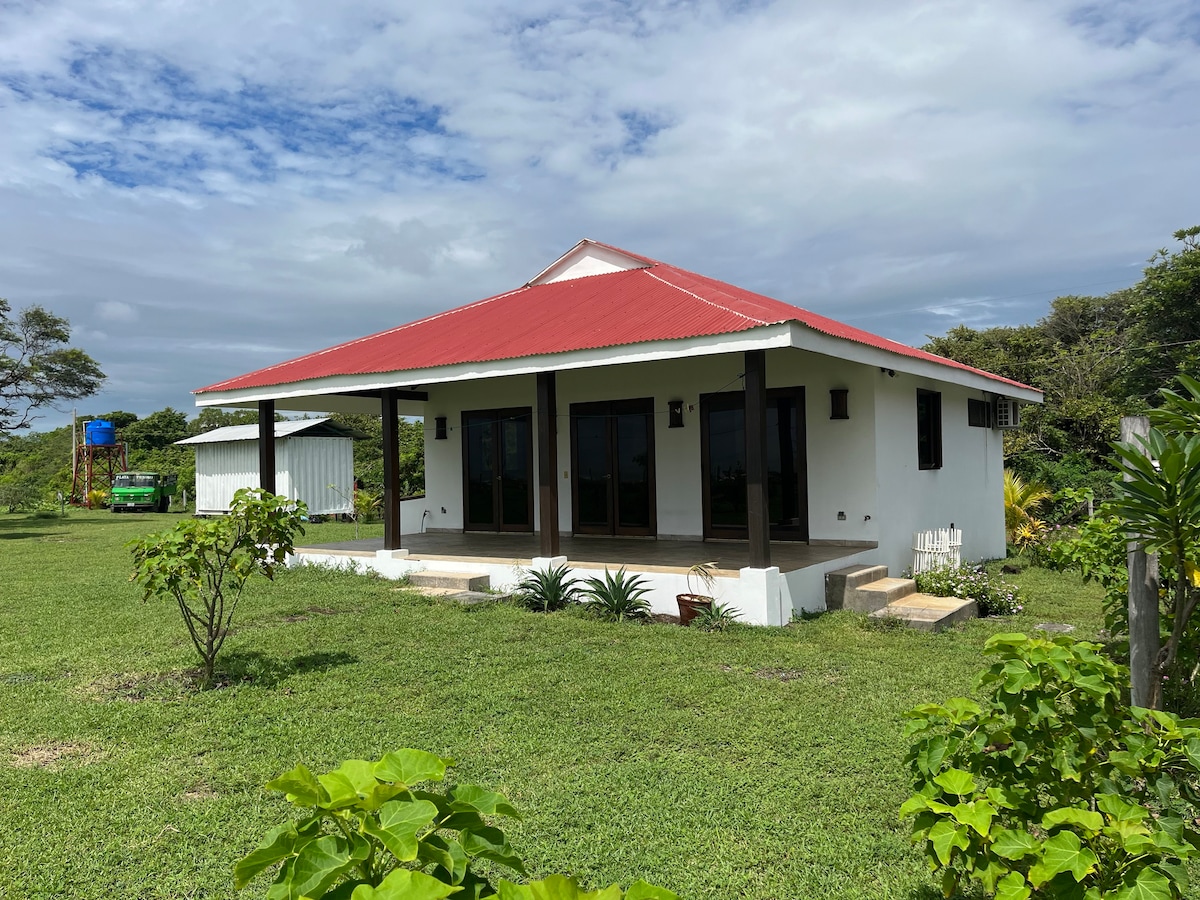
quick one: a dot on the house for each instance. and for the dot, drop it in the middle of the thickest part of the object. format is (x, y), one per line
(616, 410)
(314, 463)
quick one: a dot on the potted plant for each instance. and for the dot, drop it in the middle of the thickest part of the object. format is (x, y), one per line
(691, 603)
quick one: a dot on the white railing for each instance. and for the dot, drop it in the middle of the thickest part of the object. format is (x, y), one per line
(936, 548)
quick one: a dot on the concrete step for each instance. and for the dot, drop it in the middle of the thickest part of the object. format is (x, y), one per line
(455, 581)
(841, 584)
(879, 593)
(929, 613)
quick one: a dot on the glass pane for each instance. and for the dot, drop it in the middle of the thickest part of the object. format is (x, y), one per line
(727, 467)
(633, 470)
(514, 488)
(782, 485)
(591, 470)
(480, 437)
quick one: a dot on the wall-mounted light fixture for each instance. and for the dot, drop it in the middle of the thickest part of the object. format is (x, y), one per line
(439, 428)
(839, 403)
(674, 413)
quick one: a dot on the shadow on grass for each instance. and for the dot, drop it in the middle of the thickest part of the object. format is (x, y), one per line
(268, 671)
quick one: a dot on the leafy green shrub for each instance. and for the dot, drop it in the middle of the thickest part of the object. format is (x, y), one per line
(367, 833)
(204, 564)
(547, 590)
(717, 617)
(1052, 788)
(994, 596)
(616, 598)
(1097, 549)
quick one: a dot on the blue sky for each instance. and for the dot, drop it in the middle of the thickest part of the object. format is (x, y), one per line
(204, 189)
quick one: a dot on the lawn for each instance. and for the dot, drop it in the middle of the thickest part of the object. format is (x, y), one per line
(760, 763)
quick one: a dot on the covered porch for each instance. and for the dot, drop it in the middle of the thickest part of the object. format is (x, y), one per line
(634, 553)
(796, 580)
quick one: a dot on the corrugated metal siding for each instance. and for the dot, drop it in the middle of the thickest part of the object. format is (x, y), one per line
(314, 464)
(304, 469)
(220, 470)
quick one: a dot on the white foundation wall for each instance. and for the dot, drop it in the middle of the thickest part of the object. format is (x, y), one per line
(967, 491)
(840, 453)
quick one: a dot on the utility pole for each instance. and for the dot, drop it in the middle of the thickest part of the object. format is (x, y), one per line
(1144, 685)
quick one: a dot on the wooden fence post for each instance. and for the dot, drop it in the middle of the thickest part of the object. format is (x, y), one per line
(1144, 686)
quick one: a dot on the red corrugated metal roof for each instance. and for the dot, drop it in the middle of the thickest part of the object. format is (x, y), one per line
(661, 302)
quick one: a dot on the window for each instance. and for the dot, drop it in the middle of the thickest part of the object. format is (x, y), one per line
(929, 429)
(979, 414)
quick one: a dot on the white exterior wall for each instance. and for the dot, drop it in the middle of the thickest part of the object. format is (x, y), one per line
(304, 468)
(967, 491)
(841, 458)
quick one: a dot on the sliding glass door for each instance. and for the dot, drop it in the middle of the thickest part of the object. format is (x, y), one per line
(498, 469)
(723, 460)
(612, 452)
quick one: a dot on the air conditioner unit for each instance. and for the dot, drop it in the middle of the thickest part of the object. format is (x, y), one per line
(1008, 413)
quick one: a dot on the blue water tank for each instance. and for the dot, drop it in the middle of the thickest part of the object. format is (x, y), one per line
(99, 432)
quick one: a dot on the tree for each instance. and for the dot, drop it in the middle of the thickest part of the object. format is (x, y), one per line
(204, 564)
(37, 365)
(1167, 330)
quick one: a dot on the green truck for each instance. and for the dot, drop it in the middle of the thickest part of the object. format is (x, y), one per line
(142, 492)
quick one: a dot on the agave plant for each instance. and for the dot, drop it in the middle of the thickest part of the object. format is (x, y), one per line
(717, 617)
(615, 598)
(547, 590)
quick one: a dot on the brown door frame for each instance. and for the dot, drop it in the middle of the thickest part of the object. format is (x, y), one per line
(777, 533)
(496, 417)
(610, 409)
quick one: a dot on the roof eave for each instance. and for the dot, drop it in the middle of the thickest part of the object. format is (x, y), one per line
(322, 392)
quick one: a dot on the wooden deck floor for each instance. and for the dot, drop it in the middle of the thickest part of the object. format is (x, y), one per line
(597, 551)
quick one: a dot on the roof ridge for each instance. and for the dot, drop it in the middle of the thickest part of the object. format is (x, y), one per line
(684, 290)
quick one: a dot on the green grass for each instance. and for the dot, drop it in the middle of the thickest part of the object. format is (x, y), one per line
(758, 763)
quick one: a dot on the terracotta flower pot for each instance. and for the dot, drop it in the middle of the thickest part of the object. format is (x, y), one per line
(690, 605)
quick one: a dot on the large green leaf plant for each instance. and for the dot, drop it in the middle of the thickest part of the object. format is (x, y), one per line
(380, 831)
(1052, 788)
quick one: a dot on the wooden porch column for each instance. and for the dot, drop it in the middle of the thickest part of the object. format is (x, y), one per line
(391, 470)
(757, 513)
(547, 437)
(266, 445)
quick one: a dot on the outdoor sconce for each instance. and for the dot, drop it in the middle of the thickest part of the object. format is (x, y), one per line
(839, 403)
(439, 428)
(674, 413)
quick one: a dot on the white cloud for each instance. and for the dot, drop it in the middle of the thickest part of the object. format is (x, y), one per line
(285, 176)
(116, 311)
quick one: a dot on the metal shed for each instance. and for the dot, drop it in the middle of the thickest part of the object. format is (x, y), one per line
(310, 455)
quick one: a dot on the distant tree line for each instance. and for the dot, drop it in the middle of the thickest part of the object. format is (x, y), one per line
(34, 466)
(1096, 359)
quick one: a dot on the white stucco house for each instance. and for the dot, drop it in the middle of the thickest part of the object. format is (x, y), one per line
(616, 410)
